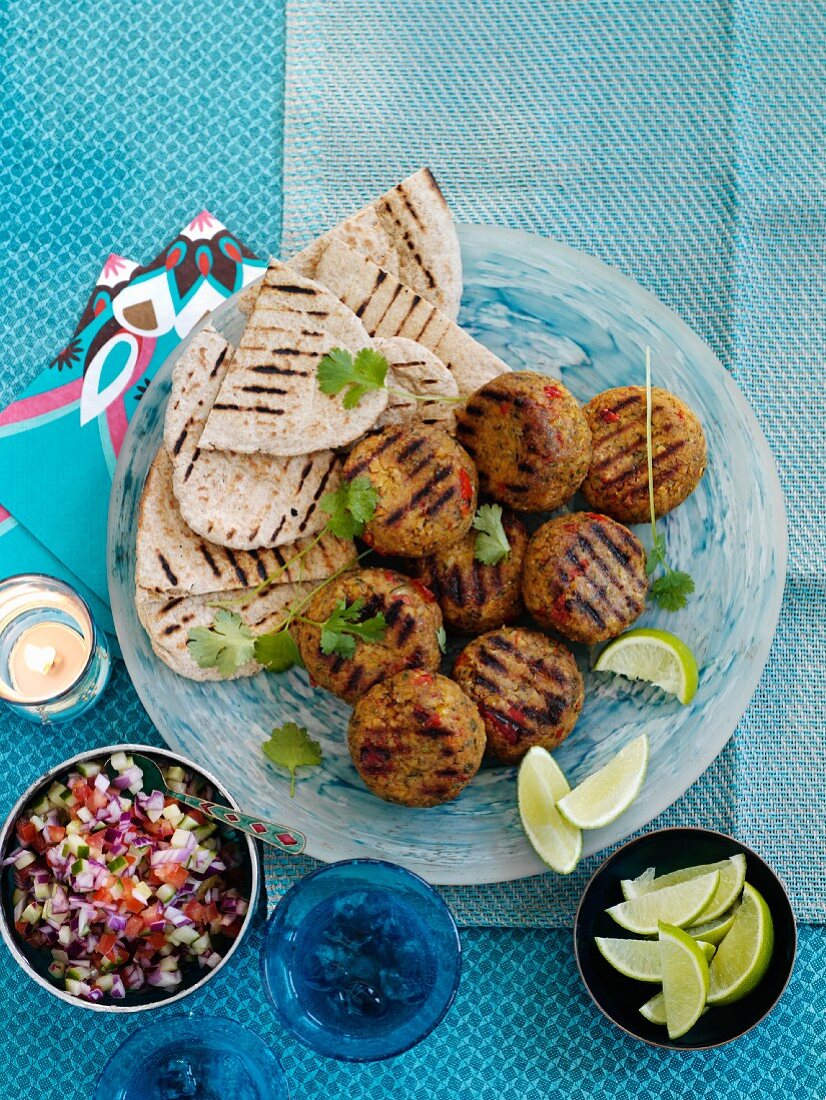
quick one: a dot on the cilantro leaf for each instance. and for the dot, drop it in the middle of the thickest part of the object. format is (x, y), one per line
(339, 632)
(338, 370)
(350, 507)
(491, 543)
(289, 746)
(277, 652)
(656, 555)
(226, 645)
(441, 638)
(672, 589)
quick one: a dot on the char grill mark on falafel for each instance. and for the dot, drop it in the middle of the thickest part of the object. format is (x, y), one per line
(388, 441)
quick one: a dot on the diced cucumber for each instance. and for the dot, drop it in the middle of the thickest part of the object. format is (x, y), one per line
(168, 964)
(59, 955)
(117, 890)
(202, 944)
(75, 987)
(42, 891)
(17, 895)
(104, 982)
(79, 866)
(166, 892)
(142, 892)
(117, 864)
(188, 822)
(24, 859)
(42, 807)
(73, 827)
(185, 934)
(172, 814)
(120, 761)
(64, 935)
(180, 838)
(57, 970)
(175, 774)
(32, 913)
(38, 822)
(205, 831)
(85, 815)
(88, 768)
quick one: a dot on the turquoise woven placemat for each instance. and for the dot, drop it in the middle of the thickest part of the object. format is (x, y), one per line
(681, 142)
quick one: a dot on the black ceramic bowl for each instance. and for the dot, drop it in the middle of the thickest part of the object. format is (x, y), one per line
(620, 997)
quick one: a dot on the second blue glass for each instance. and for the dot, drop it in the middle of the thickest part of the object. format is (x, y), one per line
(361, 960)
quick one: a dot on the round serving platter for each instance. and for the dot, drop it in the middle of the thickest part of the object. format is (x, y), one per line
(540, 306)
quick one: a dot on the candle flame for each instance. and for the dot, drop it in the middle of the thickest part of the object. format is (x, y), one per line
(40, 658)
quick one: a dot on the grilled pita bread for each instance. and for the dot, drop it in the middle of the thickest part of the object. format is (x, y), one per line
(269, 400)
(167, 620)
(409, 232)
(387, 307)
(416, 370)
(171, 559)
(241, 501)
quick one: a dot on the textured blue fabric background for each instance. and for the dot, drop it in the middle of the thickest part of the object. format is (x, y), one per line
(679, 141)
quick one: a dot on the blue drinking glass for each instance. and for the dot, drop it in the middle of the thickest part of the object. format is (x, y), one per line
(193, 1058)
(361, 960)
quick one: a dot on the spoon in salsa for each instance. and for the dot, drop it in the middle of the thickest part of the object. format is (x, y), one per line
(279, 836)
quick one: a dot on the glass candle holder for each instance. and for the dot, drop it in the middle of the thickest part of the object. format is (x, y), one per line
(193, 1058)
(54, 662)
(361, 960)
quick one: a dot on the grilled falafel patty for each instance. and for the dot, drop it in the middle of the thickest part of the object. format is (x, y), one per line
(529, 440)
(426, 487)
(416, 739)
(617, 481)
(584, 577)
(475, 597)
(412, 618)
(528, 689)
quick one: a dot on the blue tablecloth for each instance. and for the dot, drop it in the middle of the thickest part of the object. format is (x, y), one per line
(121, 120)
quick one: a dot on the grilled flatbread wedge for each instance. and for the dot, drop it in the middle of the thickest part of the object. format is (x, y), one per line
(241, 501)
(408, 231)
(416, 370)
(172, 560)
(269, 400)
(168, 619)
(387, 307)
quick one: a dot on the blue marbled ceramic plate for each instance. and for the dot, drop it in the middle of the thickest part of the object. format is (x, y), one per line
(543, 306)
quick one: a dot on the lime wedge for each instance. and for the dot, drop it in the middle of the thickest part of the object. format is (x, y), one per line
(640, 959)
(654, 1010)
(685, 979)
(603, 796)
(713, 931)
(732, 876)
(655, 656)
(679, 905)
(744, 955)
(539, 787)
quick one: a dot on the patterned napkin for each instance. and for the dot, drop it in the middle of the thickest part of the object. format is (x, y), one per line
(60, 440)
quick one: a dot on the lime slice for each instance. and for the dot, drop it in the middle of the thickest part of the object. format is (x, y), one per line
(640, 959)
(685, 979)
(732, 876)
(603, 796)
(654, 1010)
(713, 931)
(655, 656)
(744, 955)
(539, 787)
(680, 905)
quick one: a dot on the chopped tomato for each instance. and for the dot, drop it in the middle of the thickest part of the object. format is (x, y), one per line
(55, 833)
(106, 942)
(26, 832)
(96, 800)
(134, 927)
(157, 939)
(173, 873)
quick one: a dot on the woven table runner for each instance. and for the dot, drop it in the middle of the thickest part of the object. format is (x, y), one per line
(678, 142)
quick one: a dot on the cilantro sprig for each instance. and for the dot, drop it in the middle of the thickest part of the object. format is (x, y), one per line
(290, 746)
(226, 645)
(339, 371)
(671, 590)
(350, 507)
(345, 625)
(491, 544)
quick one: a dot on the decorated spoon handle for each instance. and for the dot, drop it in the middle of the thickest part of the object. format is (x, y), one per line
(288, 840)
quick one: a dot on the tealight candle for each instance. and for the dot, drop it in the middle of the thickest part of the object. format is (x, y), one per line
(54, 663)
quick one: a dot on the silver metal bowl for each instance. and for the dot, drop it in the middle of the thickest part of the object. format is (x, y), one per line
(144, 1000)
